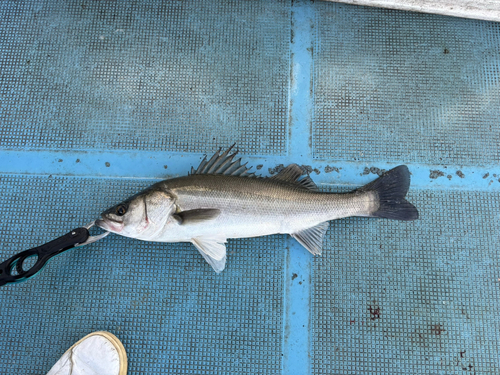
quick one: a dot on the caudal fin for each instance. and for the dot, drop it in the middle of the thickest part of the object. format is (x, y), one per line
(391, 189)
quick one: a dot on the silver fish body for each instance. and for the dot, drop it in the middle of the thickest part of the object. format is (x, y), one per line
(252, 207)
(222, 200)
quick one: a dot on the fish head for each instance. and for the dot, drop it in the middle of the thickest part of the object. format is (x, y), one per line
(140, 216)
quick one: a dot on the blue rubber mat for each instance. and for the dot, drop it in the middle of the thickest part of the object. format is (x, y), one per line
(391, 298)
(177, 76)
(171, 311)
(101, 99)
(405, 87)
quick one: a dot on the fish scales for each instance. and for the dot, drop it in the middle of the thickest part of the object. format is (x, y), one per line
(268, 206)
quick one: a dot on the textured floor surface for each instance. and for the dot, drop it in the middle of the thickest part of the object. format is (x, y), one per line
(100, 99)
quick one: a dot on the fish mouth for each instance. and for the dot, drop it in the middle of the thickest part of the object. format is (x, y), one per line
(109, 225)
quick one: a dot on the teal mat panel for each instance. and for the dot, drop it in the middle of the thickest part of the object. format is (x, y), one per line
(100, 99)
(405, 87)
(406, 298)
(165, 303)
(177, 76)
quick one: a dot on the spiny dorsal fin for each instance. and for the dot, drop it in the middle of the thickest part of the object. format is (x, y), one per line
(312, 238)
(223, 164)
(293, 174)
(213, 251)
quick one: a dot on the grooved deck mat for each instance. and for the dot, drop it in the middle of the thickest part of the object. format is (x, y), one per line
(171, 311)
(178, 75)
(408, 298)
(99, 99)
(405, 87)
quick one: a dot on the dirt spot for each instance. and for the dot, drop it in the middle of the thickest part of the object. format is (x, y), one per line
(377, 171)
(464, 312)
(460, 174)
(60, 160)
(374, 310)
(446, 51)
(276, 169)
(449, 177)
(107, 164)
(294, 276)
(374, 170)
(308, 169)
(486, 175)
(165, 166)
(259, 167)
(437, 329)
(329, 169)
(436, 173)
(77, 160)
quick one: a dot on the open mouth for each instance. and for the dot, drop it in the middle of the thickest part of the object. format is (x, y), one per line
(109, 225)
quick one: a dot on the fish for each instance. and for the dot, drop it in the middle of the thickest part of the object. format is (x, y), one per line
(224, 199)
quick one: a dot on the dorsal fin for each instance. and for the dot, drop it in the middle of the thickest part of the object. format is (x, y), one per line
(223, 164)
(293, 174)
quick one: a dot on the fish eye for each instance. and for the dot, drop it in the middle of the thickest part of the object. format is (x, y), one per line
(121, 210)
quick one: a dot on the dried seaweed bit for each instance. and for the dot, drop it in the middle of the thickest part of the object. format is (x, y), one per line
(436, 173)
(276, 169)
(329, 169)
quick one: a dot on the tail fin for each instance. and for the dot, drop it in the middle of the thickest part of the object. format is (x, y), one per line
(391, 189)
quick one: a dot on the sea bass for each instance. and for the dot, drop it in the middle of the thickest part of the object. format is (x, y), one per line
(222, 199)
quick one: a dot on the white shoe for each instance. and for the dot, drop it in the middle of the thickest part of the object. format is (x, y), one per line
(99, 353)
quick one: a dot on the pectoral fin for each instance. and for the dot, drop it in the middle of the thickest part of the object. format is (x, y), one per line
(213, 251)
(196, 216)
(312, 238)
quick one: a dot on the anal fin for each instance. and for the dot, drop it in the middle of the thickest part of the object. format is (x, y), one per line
(312, 238)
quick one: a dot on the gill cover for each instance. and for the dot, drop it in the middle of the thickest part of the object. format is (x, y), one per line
(141, 216)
